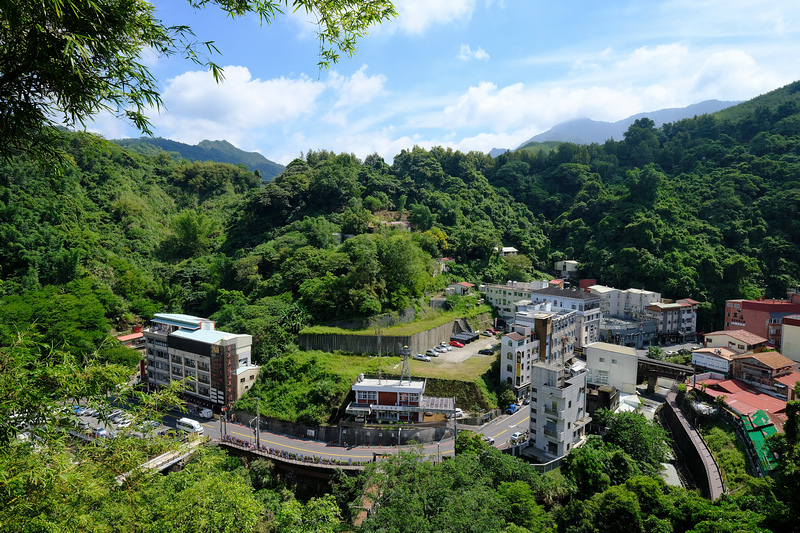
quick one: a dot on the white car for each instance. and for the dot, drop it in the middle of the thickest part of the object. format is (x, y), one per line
(440, 349)
(432, 353)
(516, 436)
(420, 357)
(446, 347)
(124, 422)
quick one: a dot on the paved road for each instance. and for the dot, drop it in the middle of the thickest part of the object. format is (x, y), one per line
(500, 429)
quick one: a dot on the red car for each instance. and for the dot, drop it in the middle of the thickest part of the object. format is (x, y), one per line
(457, 344)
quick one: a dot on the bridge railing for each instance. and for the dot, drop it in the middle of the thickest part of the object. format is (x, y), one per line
(292, 458)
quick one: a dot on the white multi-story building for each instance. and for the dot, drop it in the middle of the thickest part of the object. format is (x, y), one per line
(214, 365)
(538, 334)
(508, 299)
(676, 321)
(610, 364)
(558, 416)
(623, 303)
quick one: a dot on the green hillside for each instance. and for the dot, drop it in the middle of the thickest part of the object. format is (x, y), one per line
(218, 151)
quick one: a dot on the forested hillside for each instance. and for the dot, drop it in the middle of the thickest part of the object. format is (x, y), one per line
(705, 208)
(217, 151)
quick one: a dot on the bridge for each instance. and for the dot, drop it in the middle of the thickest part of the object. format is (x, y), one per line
(652, 369)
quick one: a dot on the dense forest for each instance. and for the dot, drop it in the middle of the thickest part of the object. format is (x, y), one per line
(705, 208)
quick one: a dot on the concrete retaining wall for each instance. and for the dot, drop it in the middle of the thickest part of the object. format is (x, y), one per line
(368, 344)
(698, 457)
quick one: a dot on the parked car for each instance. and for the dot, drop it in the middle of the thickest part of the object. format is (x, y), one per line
(420, 357)
(432, 353)
(83, 424)
(124, 422)
(486, 351)
(526, 401)
(457, 344)
(516, 436)
(446, 347)
(440, 349)
(100, 433)
(512, 409)
(488, 440)
(484, 333)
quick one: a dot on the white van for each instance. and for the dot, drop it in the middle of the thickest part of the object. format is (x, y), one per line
(187, 424)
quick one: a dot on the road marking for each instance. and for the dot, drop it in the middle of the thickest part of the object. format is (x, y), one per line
(495, 437)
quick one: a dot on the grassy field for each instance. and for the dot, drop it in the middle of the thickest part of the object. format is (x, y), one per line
(305, 385)
(728, 452)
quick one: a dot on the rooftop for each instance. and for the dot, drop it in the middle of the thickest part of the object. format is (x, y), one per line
(132, 336)
(772, 360)
(208, 336)
(389, 385)
(514, 336)
(740, 335)
(725, 353)
(566, 293)
(740, 397)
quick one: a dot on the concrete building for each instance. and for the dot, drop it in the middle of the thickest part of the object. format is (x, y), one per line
(637, 334)
(215, 366)
(763, 317)
(393, 399)
(538, 333)
(461, 289)
(508, 298)
(763, 370)
(717, 359)
(610, 364)
(738, 340)
(625, 303)
(505, 297)
(677, 322)
(790, 340)
(558, 415)
(566, 269)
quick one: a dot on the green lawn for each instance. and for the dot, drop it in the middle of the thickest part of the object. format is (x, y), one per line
(728, 452)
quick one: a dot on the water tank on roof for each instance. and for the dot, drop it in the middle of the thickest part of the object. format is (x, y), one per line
(360, 377)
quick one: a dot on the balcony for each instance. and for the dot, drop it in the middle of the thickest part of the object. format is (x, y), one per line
(554, 435)
(553, 412)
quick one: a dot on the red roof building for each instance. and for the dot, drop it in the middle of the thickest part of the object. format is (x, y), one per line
(762, 317)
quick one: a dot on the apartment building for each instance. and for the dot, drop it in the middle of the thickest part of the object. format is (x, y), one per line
(558, 415)
(790, 343)
(623, 303)
(214, 365)
(539, 333)
(763, 317)
(610, 364)
(677, 322)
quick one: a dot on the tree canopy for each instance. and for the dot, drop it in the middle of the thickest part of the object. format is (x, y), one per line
(64, 61)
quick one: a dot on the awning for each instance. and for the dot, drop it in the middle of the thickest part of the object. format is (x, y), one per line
(358, 409)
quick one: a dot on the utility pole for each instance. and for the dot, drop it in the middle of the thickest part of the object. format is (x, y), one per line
(258, 422)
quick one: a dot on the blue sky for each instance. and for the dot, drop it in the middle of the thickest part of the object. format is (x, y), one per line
(466, 74)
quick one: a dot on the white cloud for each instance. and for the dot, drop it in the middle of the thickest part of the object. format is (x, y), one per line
(734, 74)
(416, 16)
(199, 108)
(466, 53)
(358, 89)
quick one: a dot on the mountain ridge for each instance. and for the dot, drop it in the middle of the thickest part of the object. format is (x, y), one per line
(587, 131)
(206, 150)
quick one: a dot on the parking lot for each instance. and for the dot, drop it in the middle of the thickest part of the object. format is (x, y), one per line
(457, 355)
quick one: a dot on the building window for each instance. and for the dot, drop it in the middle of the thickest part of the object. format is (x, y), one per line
(366, 395)
(203, 391)
(252, 377)
(602, 359)
(241, 380)
(613, 361)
